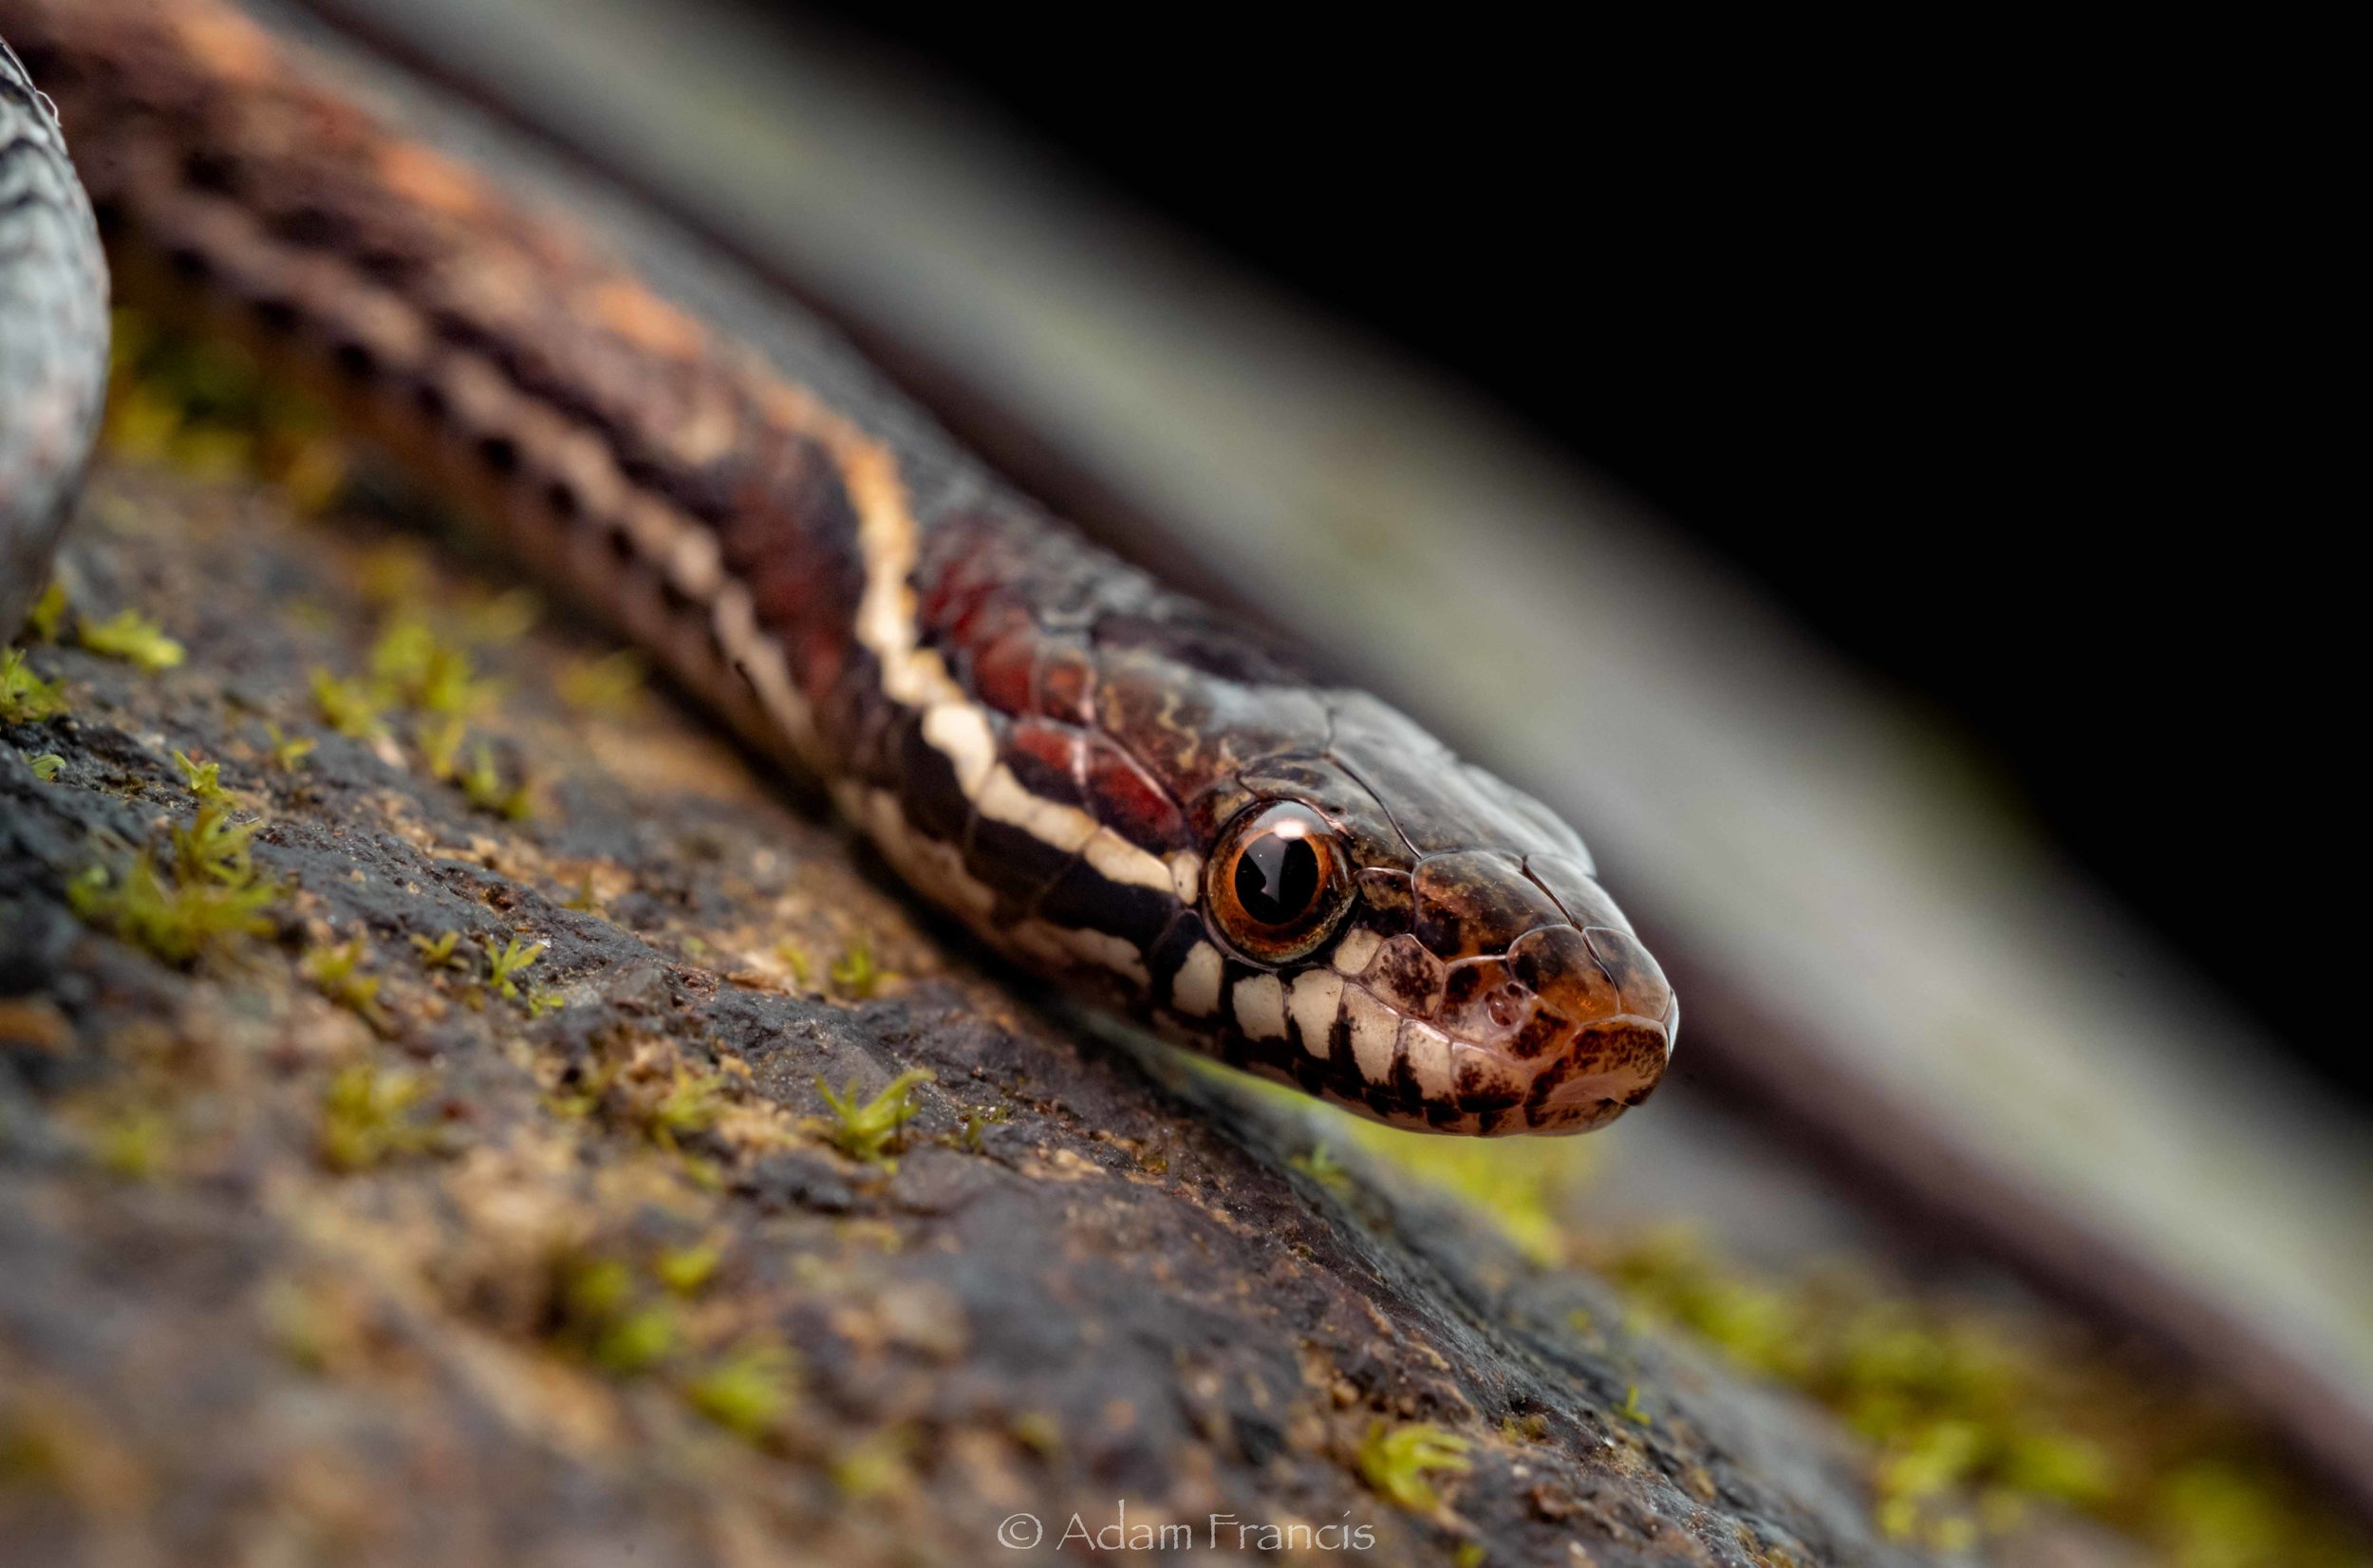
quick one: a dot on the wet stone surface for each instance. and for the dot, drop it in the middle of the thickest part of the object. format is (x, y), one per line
(346, 1240)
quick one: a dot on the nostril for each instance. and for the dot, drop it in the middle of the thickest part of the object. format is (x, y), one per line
(1505, 1005)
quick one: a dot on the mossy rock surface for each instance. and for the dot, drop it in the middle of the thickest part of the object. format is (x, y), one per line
(335, 1245)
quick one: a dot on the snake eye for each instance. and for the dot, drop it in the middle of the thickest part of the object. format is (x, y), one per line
(1277, 881)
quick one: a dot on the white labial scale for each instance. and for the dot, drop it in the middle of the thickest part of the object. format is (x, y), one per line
(1318, 998)
(1352, 953)
(1261, 1007)
(1196, 991)
(1428, 1050)
(1376, 1029)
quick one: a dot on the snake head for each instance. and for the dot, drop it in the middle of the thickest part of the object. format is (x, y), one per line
(1406, 935)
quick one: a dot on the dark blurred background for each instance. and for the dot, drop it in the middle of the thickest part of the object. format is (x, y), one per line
(1993, 358)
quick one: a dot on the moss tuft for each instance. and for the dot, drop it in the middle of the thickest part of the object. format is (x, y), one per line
(485, 786)
(47, 614)
(204, 778)
(216, 897)
(610, 685)
(1975, 1419)
(437, 953)
(855, 975)
(350, 707)
(748, 1391)
(26, 697)
(288, 752)
(1394, 1461)
(133, 638)
(368, 1117)
(866, 1131)
(504, 967)
(336, 972)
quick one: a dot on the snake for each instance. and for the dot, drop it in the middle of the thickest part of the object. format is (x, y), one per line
(1154, 806)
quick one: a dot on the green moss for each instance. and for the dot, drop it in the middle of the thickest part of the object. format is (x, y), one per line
(204, 406)
(583, 899)
(694, 1103)
(350, 707)
(638, 1340)
(215, 849)
(175, 918)
(504, 967)
(204, 778)
(133, 1142)
(288, 752)
(795, 959)
(49, 614)
(866, 1131)
(368, 1117)
(1976, 1421)
(485, 786)
(687, 1271)
(1630, 1410)
(1395, 1461)
(977, 1120)
(611, 684)
(26, 697)
(426, 673)
(440, 744)
(336, 972)
(437, 953)
(748, 1391)
(132, 636)
(1038, 1432)
(876, 1465)
(1321, 1165)
(47, 766)
(611, 1319)
(855, 975)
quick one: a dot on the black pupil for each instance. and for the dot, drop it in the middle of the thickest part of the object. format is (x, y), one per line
(1275, 878)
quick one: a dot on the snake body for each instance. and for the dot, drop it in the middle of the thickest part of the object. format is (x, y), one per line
(1113, 785)
(53, 337)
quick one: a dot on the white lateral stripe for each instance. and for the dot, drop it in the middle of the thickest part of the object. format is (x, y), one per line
(1117, 860)
(1051, 822)
(960, 732)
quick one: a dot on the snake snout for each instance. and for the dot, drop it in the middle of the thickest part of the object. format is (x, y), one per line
(1600, 1028)
(1559, 1019)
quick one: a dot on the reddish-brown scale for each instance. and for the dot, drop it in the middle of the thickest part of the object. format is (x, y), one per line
(1002, 658)
(1048, 759)
(1130, 801)
(1066, 681)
